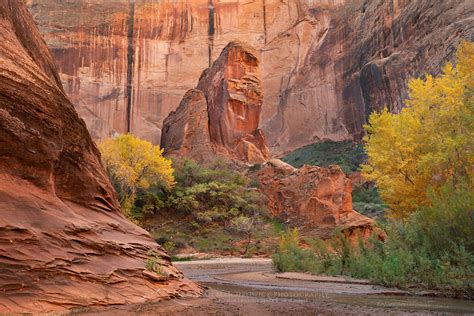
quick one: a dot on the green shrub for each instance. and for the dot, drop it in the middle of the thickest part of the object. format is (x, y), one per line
(290, 257)
(366, 194)
(154, 263)
(447, 224)
(169, 246)
(347, 154)
(212, 194)
(211, 208)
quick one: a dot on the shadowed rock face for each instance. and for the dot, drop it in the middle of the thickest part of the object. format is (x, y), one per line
(63, 240)
(316, 199)
(325, 64)
(222, 115)
(362, 62)
(186, 131)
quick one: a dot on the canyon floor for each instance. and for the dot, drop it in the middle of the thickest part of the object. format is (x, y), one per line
(250, 287)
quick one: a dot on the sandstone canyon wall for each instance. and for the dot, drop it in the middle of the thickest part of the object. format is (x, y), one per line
(63, 240)
(221, 116)
(326, 64)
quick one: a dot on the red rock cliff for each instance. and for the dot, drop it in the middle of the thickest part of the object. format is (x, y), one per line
(222, 115)
(326, 64)
(63, 240)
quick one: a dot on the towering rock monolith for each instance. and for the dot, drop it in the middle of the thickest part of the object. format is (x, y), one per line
(221, 116)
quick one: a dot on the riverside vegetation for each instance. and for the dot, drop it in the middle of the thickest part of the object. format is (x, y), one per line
(213, 209)
(187, 206)
(421, 160)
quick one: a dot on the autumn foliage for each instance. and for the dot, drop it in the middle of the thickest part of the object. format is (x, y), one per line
(134, 164)
(428, 144)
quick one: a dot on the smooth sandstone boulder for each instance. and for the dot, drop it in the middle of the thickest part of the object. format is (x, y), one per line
(63, 240)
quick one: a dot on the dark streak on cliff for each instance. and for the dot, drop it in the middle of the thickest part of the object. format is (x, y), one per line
(265, 20)
(130, 58)
(212, 30)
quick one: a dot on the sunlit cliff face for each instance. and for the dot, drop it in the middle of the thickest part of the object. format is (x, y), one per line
(325, 63)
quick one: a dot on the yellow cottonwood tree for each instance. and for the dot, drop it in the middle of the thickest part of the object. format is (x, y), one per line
(134, 164)
(430, 142)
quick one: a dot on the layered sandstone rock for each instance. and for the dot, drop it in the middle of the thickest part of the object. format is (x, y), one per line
(63, 241)
(326, 63)
(316, 199)
(222, 115)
